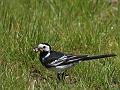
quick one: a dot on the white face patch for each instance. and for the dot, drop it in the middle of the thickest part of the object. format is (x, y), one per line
(44, 47)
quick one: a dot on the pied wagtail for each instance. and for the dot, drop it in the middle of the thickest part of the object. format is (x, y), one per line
(59, 61)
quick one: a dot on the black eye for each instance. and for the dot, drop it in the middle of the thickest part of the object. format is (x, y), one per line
(44, 47)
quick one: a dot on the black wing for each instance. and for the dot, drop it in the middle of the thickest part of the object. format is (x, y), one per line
(74, 59)
(54, 59)
(58, 58)
(65, 59)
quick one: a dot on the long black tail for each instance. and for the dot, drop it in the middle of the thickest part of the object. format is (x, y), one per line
(87, 58)
(97, 57)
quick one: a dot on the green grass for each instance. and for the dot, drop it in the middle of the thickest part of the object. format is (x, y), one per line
(70, 26)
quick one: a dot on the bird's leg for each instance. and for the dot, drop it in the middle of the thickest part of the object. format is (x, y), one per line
(58, 76)
(63, 75)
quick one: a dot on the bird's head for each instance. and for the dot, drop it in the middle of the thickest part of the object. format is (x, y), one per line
(43, 47)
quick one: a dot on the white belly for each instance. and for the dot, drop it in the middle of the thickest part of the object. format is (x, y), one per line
(60, 69)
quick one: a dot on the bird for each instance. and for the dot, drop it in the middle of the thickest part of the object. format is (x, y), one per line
(59, 61)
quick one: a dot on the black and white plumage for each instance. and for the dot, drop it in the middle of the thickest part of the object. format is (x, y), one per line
(59, 61)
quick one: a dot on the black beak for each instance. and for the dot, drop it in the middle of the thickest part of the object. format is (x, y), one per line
(37, 49)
